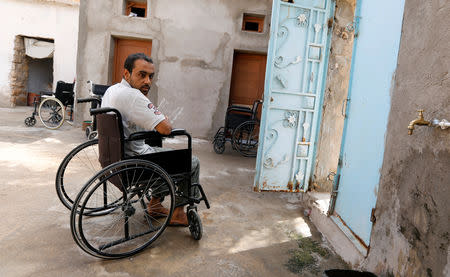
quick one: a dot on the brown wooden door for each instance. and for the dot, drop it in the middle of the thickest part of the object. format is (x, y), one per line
(247, 79)
(125, 47)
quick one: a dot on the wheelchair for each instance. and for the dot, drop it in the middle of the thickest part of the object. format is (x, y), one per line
(82, 162)
(54, 106)
(96, 93)
(109, 217)
(241, 129)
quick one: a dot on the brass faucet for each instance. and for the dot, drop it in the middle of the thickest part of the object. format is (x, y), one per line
(418, 121)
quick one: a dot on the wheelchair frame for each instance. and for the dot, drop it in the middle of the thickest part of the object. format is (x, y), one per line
(129, 198)
(241, 129)
(96, 92)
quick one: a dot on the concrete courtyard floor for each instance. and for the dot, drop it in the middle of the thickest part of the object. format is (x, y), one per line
(246, 233)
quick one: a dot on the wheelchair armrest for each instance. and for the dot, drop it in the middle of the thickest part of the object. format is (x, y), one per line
(178, 132)
(105, 110)
(46, 93)
(86, 100)
(147, 134)
(143, 135)
(239, 109)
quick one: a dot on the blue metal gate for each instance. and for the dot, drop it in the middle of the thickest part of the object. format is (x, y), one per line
(296, 65)
(377, 39)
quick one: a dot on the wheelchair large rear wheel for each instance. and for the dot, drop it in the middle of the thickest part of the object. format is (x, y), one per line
(245, 138)
(51, 113)
(75, 170)
(121, 192)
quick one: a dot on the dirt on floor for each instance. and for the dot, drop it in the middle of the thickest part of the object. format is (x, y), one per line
(246, 233)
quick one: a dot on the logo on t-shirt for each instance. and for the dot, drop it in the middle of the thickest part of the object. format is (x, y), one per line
(153, 107)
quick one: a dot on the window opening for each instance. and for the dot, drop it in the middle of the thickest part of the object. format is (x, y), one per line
(136, 8)
(253, 23)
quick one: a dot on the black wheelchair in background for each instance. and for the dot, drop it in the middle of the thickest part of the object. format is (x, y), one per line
(109, 217)
(53, 106)
(96, 93)
(241, 129)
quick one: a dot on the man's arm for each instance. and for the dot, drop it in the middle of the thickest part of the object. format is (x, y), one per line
(164, 127)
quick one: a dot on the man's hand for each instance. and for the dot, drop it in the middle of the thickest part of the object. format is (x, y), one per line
(164, 127)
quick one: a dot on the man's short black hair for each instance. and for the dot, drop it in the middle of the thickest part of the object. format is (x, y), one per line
(129, 62)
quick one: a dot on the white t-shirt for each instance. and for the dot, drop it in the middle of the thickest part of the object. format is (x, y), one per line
(138, 114)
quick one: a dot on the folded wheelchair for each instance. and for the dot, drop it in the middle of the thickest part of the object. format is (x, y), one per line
(109, 215)
(96, 92)
(241, 129)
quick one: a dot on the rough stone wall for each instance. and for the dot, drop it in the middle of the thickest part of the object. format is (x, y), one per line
(411, 236)
(19, 74)
(192, 46)
(48, 19)
(329, 142)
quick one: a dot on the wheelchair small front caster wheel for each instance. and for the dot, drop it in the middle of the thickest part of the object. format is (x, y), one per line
(30, 121)
(92, 135)
(88, 131)
(219, 143)
(195, 224)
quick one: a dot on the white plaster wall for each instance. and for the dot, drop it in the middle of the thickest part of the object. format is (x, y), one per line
(56, 20)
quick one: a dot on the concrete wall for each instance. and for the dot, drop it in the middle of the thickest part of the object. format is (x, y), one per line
(411, 236)
(56, 20)
(192, 45)
(330, 136)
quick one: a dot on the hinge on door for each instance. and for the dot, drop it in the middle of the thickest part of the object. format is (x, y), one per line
(340, 162)
(372, 216)
(333, 197)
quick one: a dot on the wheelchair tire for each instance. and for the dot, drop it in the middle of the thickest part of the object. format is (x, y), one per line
(122, 226)
(245, 138)
(75, 170)
(219, 143)
(30, 121)
(195, 224)
(51, 113)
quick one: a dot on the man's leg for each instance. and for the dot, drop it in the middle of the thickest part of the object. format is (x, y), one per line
(179, 216)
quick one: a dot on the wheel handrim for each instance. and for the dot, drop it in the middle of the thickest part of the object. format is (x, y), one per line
(75, 170)
(245, 138)
(51, 113)
(97, 235)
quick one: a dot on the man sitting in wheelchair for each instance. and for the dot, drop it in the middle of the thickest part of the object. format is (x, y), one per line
(139, 114)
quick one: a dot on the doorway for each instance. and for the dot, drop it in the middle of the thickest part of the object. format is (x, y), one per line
(125, 47)
(247, 79)
(40, 77)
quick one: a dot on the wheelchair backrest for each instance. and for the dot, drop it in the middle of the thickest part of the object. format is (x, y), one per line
(64, 92)
(110, 138)
(99, 89)
(255, 108)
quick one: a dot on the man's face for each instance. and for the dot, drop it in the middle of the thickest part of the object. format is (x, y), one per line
(141, 76)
